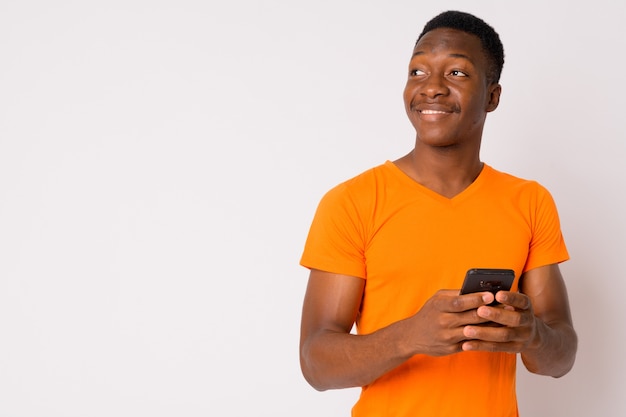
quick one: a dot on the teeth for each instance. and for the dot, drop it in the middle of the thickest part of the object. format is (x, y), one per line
(433, 112)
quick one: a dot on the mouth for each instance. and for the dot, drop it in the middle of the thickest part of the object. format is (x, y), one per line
(434, 108)
(432, 112)
(434, 115)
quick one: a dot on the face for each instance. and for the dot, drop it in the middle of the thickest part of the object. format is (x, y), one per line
(447, 96)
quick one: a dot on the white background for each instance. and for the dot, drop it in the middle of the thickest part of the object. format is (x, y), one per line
(160, 163)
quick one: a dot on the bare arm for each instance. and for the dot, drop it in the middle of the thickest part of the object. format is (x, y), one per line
(331, 357)
(537, 323)
(554, 350)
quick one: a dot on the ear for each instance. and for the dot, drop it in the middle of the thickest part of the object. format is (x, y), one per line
(493, 97)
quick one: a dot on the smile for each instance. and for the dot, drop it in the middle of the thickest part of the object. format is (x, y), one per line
(433, 112)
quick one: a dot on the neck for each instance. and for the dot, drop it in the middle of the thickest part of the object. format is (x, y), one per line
(441, 170)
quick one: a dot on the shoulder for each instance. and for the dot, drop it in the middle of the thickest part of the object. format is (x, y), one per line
(508, 183)
(362, 187)
(524, 196)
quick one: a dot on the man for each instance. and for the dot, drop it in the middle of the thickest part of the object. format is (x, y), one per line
(388, 250)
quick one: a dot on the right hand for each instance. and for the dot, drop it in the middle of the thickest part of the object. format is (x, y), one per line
(437, 328)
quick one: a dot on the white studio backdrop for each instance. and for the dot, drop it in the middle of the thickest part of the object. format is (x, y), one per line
(160, 163)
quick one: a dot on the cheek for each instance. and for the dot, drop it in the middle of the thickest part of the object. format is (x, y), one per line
(479, 103)
(479, 116)
(407, 96)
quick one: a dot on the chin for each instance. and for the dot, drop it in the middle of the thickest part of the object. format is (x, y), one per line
(438, 142)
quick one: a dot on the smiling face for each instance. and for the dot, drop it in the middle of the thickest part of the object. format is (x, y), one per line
(447, 95)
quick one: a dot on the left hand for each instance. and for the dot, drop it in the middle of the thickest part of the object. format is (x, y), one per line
(515, 329)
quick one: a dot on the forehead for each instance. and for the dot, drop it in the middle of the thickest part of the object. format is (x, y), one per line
(452, 42)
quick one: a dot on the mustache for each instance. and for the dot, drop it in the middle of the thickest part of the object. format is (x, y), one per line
(425, 105)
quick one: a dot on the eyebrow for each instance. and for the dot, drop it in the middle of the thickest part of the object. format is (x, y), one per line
(452, 55)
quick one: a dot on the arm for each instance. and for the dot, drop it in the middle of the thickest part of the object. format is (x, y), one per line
(331, 357)
(554, 350)
(537, 323)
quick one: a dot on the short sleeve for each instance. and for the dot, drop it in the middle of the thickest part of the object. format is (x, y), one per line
(547, 245)
(335, 242)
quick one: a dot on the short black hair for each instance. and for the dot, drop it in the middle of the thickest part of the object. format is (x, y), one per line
(489, 38)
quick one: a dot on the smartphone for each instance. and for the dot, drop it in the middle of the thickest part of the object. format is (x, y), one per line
(488, 279)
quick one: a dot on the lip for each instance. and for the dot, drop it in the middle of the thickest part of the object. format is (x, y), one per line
(433, 108)
(433, 111)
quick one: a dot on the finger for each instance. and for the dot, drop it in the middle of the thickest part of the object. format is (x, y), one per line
(514, 299)
(478, 345)
(459, 303)
(487, 333)
(468, 318)
(505, 316)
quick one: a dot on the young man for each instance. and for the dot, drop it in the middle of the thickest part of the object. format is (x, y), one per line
(389, 250)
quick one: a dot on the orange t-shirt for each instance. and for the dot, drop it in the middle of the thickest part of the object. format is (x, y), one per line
(408, 242)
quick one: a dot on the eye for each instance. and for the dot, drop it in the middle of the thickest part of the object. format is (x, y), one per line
(458, 73)
(416, 72)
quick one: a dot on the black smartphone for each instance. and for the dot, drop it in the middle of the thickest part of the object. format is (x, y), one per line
(488, 279)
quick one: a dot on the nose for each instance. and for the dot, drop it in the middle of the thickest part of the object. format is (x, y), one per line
(434, 85)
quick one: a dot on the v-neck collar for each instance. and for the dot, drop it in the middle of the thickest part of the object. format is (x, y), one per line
(457, 199)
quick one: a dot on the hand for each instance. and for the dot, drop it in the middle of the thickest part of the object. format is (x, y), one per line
(517, 328)
(438, 328)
